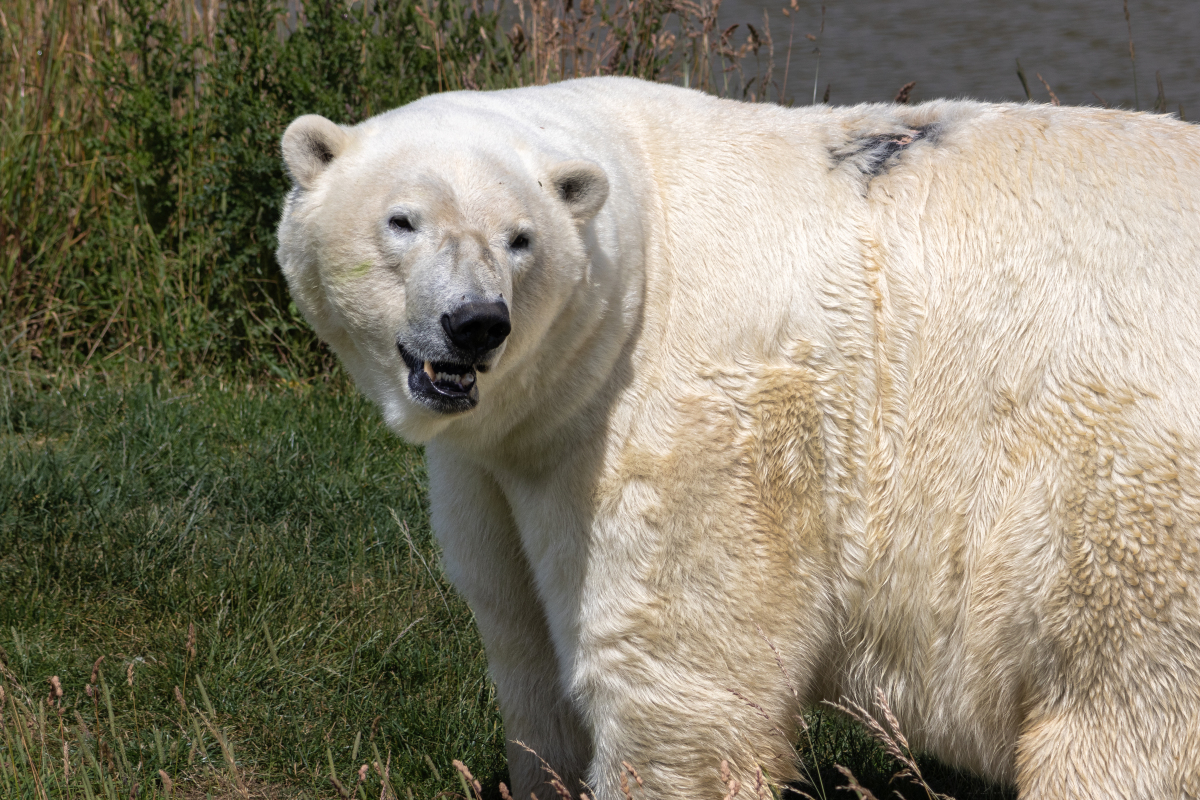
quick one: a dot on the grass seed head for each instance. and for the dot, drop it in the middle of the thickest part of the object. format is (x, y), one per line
(860, 791)
(881, 699)
(634, 774)
(469, 779)
(732, 786)
(96, 671)
(168, 787)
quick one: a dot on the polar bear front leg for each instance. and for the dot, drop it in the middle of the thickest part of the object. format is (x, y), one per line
(675, 680)
(483, 558)
(701, 632)
(687, 726)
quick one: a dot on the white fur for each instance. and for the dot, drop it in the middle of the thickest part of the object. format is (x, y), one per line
(909, 393)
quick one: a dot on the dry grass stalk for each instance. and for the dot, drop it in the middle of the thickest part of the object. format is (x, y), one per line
(386, 792)
(634, 774)
(762, 790)
(665, 40)
(762, 712)
(1053, 97)
(783, 671)
(1160, 101)
(560, 789)
(732, 786)
(852, 785)
(468, 780)
(890, 737)
(227, 754)
(168, 786)
(96, 671)
(22, 728)
(1132, 56)
(625, 786)
(556, 780)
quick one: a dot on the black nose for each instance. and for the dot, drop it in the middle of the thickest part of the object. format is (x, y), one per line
(477, 327)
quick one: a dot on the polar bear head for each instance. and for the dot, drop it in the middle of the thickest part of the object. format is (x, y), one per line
(431, 247)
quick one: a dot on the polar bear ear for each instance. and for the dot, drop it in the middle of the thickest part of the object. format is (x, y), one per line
(309, 144)
(582, 185)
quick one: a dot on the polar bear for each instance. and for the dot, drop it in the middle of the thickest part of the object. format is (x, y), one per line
(732, 408)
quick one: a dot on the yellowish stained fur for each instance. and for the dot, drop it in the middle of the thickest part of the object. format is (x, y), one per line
(905, 396)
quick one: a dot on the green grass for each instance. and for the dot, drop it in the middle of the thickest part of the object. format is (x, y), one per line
(289, 528)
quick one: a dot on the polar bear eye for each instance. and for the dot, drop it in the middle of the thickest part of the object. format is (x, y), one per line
(519, 242)
(401, 222)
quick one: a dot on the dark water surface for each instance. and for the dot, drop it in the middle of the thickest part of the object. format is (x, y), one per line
(871, 48)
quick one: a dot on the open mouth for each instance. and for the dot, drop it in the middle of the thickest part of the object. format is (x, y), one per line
(444, 386)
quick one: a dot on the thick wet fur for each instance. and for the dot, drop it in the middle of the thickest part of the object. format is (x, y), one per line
(787, 405)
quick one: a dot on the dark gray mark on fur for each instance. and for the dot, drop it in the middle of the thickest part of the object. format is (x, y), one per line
(877, 151)
(875, 155)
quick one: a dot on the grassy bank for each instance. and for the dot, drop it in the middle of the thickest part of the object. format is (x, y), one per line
(238, 587)
(253, 566)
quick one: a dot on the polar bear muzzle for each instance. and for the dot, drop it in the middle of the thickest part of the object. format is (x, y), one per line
(475, 329)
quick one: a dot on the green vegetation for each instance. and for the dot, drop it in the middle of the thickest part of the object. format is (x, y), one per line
(287, 530)
(140, 178)
(141, 175)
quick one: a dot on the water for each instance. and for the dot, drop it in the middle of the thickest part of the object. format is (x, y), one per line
(970, 48)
